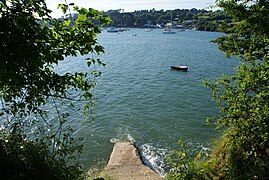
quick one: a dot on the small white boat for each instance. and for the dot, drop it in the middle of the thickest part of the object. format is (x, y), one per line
(182, 68)
(148, 30)
(168, 31)
(122, 29)
(112, 30)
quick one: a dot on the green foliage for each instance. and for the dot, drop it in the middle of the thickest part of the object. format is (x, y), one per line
(213, 21)
(29, 52)
(186, 162)
(244, 97)
(23, 159)
(32, 44)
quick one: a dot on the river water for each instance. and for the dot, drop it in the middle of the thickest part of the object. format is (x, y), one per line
(138, 97)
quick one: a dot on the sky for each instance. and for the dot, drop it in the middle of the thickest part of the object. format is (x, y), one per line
(132, 5)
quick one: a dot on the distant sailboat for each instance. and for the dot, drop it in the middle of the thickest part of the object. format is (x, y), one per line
(168, 31)
(168, 28)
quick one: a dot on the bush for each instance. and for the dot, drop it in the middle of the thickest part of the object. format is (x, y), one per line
(186, 162)
(24, 159)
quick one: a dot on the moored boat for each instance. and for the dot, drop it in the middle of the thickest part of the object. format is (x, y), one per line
(168, 31)
(112, 30)
(148, 30)
(169, 26)
(182, 68)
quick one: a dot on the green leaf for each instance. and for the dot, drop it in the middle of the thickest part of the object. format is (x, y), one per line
(67, 22)
(83, 11)
(63, 7)
(81, 18)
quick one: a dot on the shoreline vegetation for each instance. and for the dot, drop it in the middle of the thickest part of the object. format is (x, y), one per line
(181, 19)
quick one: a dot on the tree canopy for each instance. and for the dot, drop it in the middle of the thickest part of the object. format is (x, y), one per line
(29, 52)
(32, 43)
(244, 98)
